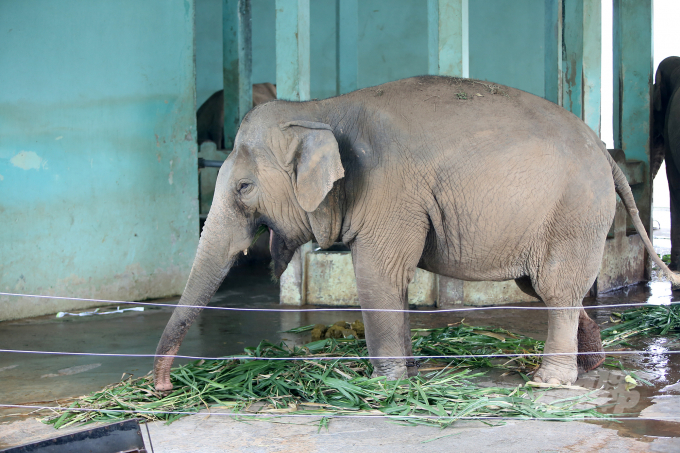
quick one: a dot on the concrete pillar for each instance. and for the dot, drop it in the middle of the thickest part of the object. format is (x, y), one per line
(553, 51)
(346, 51)
(633, 78)
(292, 50)
(448, 38)
(581, 59)
(292, 83)
(237, 65)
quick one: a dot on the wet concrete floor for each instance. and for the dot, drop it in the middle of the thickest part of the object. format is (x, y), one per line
(32, 378)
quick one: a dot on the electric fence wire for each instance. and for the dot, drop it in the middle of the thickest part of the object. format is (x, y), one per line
(247, 357)
(335, 358)
(354, 309)
(362, 416)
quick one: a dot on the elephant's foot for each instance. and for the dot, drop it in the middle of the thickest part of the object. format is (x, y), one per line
(556, 374)
(590, 343)
(392, 370)
(161, 372)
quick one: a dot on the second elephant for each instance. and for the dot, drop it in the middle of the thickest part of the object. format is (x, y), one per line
(666, 141)
(210, 116)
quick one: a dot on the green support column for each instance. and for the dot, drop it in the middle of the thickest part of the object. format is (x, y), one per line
(347, 16)
(581, 59)
(448, 38)
(237, 65)
(292, 84)
(292, 50)
(553, 51)
(592, 64)
(633, 73)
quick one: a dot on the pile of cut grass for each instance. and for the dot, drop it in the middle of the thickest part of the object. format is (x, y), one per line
(341, 385)
(442, 394)
(647, 320)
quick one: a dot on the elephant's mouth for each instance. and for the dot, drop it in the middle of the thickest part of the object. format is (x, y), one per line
(281, 254)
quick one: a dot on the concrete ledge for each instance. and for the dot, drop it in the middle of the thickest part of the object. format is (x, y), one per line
(327, 278)
(330, 281)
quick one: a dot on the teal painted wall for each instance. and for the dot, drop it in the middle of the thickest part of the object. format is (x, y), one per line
(208, 49)
(209, 46)
(98, 174)
(507, 43)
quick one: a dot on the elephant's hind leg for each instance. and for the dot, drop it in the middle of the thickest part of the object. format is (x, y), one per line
(566, 274)
(591, 353)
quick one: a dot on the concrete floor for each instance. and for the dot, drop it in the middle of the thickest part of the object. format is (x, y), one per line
(27, 378)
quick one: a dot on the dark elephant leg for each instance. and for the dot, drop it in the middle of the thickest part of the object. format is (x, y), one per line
(674, 188)
(589, 342)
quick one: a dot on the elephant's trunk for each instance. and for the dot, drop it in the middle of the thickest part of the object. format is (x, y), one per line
(212, 263)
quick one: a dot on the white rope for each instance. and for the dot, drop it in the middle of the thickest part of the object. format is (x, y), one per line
(248, 357)
(354, 309)
(236, 414)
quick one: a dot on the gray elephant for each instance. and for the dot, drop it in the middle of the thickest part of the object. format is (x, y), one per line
(455, 176)
(210, 115)
(666, 140)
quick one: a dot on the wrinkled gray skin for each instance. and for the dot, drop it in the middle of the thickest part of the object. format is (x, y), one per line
(666, 140)
(494, 187)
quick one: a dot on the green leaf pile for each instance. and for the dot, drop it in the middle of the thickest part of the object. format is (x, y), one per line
(443, 393)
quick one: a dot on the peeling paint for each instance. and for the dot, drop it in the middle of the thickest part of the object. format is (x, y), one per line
(28, 160)
(170, 177)
(2, 178)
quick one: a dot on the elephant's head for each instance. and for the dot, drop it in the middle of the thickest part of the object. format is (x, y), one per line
(281, 175)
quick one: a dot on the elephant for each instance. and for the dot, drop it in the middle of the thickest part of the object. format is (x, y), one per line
(459, 177)
(210, 115)
(666, 140)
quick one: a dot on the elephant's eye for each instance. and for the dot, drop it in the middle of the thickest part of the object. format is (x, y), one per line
(244, 187)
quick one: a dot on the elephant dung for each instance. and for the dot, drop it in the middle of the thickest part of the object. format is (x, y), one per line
(318, 332)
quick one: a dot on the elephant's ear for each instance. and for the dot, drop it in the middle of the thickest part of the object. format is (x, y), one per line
(314, 154)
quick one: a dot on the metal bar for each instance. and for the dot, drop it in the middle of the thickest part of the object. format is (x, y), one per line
(237, 65)
(347, 16)
(206, 163)
(453, 38)
(292, 50)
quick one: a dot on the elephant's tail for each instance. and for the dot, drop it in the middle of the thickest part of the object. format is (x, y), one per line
(623, 190)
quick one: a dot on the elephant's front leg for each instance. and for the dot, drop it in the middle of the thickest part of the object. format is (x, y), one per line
(382, 283)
